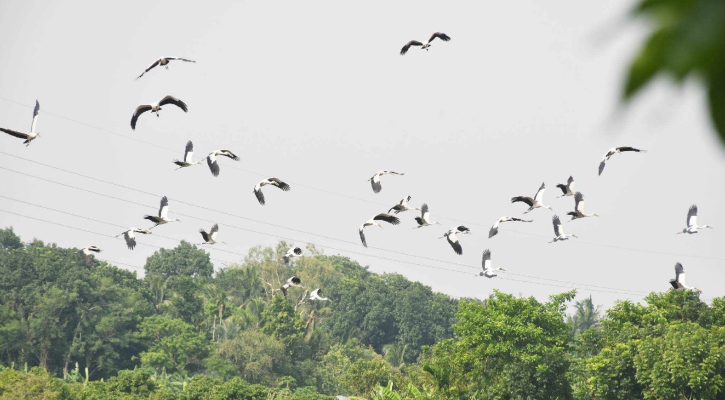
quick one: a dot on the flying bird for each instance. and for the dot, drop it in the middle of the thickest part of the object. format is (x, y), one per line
(164, 62)
(424, 219)
(692, 226)
(130, 237)
(29, 137)
(269, 181)
(376, 220)
(568, 188)
(494, 228)
(614, 151)
(439, 35)
(293, 281)
(679, 282)
(579, 208)
(315, 295)
(488, 270)
(163, 217)
(559, 230)
(402, 206)
(86, 252)
(212, 162)
(407, 46)
(375, 180)
(453, 239)
(536, 202)
(156, 107)
(188, 153)
(210, 238)
(292, 253)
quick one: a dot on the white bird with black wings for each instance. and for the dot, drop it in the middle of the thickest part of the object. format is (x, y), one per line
(692, 226)
(679, 282)
(163, 217)
(536, 202)
(269, 181)
(568, 188)
(488, 270)
(293, 281)
(29, 137)
(559, 230)
(375, 180)
(402, 206)
(494, 228)
(376, 220)
(188, 155)
(439, 35)
(210, 238)
(164, 62)
(291, 254)
(614, 151)
(453, 239)
(579, 208)
(315, 295)
(130, 236)
(156, 107)
(424, 219)
(214, 164)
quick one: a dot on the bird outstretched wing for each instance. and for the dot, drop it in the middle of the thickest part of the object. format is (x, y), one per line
(260, 195)
(579, 201)
(524, 199)
(150, 67)
(692, 215)
(407, 46)
(15, 133)
(439, 35)
(540, 193)
(557, 225)
(211, 161)
(164, 208)
(280, 184)
(139, 110)
(362, 237)
(189, 151)
(36, 110)
(387, 218)
(455, 243)
(173, 100)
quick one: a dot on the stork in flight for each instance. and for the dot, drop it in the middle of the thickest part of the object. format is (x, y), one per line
(494, 228)
(614, 151)
(453, 239)
(164, 62)
(163, 217)
(375, 180)
(567, 188)
(402, 206)
(376, 220)
(269, 181)
(559, 230)
(315, 295)
(291, 253)
(293, 281)
(130, 237)
(86, 253)
(579, 208)
(679, 282)
(439, 35)
(210, 238)
(424, 219)
(692, 226)
(536, 202)
(188, 153)
(29, 137)
(156, 107)
(214, 164)
(488, 270)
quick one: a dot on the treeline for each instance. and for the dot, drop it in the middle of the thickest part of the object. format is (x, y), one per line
(93, 331)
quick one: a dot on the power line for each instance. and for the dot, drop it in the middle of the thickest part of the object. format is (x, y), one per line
(578, 285)
(277, 236)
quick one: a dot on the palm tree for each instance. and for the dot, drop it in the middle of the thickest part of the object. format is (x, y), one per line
(586, 316)
(395, 354)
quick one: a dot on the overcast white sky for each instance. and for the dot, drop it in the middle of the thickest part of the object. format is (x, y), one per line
(316, 94)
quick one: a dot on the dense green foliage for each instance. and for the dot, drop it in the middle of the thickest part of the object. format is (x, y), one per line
(687, 38)
(71, 329)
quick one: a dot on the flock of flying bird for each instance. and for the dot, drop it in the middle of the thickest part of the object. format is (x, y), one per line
(390, 217)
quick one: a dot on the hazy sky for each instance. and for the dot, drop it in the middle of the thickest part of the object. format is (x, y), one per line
(316, 94)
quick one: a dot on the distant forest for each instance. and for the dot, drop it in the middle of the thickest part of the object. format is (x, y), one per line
(73, 327)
